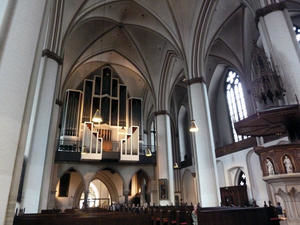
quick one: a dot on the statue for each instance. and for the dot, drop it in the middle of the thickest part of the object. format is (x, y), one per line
(270, 167)
(288, 164)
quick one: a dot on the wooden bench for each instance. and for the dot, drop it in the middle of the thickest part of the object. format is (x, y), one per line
(152, 216)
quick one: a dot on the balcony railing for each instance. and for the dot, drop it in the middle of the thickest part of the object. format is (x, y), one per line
(70, 150)
(69, 146)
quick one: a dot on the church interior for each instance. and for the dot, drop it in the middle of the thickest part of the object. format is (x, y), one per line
(183, 111)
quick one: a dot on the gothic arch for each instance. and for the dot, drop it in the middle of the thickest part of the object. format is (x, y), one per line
(188, 188)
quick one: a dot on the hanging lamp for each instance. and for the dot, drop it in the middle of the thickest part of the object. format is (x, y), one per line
(148, 152)
(193, 127)
(176, 165)
(97, 117)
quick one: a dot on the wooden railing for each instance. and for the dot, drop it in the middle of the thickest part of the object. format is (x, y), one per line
(235, 147)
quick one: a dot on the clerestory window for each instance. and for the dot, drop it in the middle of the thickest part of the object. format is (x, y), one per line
(297, 31)
(235, 101)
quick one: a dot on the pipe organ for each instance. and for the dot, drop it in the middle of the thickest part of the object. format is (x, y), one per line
(121, 115)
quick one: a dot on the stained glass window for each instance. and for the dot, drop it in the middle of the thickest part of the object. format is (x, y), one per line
(235, 101)
(242, 181)
(297, 31)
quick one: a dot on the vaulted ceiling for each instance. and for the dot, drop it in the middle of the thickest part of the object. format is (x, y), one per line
(151, 43)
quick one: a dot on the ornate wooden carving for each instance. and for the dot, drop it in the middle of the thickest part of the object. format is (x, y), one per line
(276, 154)
(235, 195)
(266, 83)
(273, 121)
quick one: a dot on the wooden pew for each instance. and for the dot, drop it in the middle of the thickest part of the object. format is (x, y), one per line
(153, 216)
(83, 219)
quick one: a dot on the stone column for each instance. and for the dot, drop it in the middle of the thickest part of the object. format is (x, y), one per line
(20, 52)
(85, 201)
(126, 193)
(38, 139)
(164, 154)
(204, 148)
(281, 46)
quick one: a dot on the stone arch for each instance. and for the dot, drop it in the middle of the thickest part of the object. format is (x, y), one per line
(110, 184)
(281, 197)
(63, 170)
(76, 183)
(287, 202)
(232, 174)
(237, 175)
(258, 187)
(77, 196)
(189, 194)
(141, 188)
(104, 176)
(144, 173)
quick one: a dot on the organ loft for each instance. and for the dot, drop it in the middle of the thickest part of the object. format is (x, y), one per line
(149, 112)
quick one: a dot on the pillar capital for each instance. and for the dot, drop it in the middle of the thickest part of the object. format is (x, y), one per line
(269, 9)
(195, 80)
(161, 112)
(52, 55)
(125, 192)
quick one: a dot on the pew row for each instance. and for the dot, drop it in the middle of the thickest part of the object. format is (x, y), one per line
(149, 216)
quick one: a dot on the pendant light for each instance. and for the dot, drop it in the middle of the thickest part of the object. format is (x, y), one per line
(148, 152)
(122, 130)
(97, 117)
(193, 127)
(176, 165)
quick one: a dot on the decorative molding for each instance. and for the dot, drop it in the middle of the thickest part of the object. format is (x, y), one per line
(268, 9)
(52, 55)
(276, 154)
(196, 80)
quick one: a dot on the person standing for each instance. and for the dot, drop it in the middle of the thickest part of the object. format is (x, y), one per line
(195, 215)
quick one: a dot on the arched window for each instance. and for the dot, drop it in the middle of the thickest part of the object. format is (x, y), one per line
(98, 195)
(235, 101)
(297, 31)
(152, 136)
(182, 120)
(242, 181)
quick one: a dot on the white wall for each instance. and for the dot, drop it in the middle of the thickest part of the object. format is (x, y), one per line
(247, 161)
